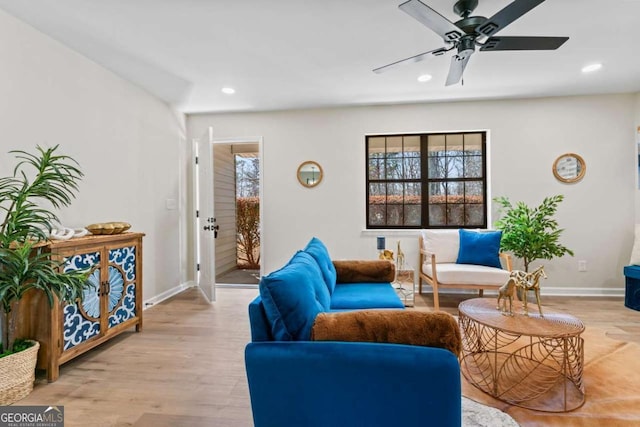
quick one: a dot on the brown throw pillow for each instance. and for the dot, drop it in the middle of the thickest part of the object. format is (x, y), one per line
(437, 329)
(364, 271)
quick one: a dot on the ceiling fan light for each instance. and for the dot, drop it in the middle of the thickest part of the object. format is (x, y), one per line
(228, 90)
(424, 78)
(591, 68)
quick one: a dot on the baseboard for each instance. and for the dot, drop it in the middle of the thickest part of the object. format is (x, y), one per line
(236, 286)
(582, 292)
(551, 291)
(167, 294)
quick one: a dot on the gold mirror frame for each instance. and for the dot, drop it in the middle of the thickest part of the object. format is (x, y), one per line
(569, 168)
(309, 173)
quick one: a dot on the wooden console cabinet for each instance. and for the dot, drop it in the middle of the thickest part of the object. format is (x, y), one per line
(111, 305)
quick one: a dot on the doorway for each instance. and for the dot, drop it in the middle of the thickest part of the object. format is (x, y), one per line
(237, 211)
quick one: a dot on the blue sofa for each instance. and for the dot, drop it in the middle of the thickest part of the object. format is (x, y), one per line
(291, 297)
(297, 382)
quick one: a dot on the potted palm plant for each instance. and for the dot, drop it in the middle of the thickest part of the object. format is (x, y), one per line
(39, 184)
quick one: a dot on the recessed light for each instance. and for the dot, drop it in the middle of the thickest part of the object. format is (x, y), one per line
(425, 78)
(591, 68)
(228, 90)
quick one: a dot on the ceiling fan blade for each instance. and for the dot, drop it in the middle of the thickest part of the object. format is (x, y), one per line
(506, 16)
(432, 20)
(523, 43)
(458, 64)
(417, 58)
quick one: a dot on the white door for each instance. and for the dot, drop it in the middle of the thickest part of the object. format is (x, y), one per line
(205, 219)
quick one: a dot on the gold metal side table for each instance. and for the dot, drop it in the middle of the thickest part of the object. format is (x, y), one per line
(405, 285)
(530, 361)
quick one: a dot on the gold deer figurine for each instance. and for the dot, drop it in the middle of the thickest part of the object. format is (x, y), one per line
(507, 292)
(399, 258)
(526, 282)
(519, 284)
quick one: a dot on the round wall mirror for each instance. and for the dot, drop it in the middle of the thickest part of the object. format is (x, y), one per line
(569, 167)
(309, 174)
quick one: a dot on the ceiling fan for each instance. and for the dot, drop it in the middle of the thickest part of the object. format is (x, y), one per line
(471, 31)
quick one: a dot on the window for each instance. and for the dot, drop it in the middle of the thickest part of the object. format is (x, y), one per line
(446, 170)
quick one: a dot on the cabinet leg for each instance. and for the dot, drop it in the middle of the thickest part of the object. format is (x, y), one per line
(139, 326)
(53, 372)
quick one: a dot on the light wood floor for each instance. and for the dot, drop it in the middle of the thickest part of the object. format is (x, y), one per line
(187, 367)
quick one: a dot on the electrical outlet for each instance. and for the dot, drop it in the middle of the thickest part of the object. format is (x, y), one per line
(582, 265)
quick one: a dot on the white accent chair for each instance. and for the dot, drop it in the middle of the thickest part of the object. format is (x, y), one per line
(438, 268)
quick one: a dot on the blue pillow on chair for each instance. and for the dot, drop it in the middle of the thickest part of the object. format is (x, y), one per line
(480, 248)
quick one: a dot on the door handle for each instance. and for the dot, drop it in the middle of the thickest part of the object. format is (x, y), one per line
(213, 228)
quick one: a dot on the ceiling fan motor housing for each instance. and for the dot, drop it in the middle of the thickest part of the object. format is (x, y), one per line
(469, 25)
(466, 45)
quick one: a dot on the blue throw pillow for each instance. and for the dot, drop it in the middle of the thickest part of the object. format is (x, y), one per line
(293, 296)
(480, 248)
(319, 252)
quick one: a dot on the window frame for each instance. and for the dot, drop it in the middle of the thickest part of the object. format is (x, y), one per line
(424, 180)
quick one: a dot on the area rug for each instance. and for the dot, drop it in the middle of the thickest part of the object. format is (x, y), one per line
(475, 414)
(612, 387)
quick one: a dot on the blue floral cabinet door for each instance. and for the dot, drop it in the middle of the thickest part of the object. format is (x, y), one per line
(121, 291)
(81, 321)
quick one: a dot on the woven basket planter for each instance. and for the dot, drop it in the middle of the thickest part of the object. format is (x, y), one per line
(17, 374)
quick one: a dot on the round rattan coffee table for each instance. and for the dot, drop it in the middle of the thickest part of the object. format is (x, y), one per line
(530, 361)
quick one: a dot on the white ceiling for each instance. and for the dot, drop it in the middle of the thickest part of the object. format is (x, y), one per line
(283, 54)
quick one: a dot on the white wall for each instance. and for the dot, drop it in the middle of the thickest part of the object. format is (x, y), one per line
(525, 138)
(637, 127)
(126, 141)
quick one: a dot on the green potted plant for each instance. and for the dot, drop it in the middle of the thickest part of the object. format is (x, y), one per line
(40, 183)
(531, 233)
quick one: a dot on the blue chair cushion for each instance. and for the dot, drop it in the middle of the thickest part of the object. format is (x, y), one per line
(480, 248)
(364, 295)
(319, 252)
(293, 296)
